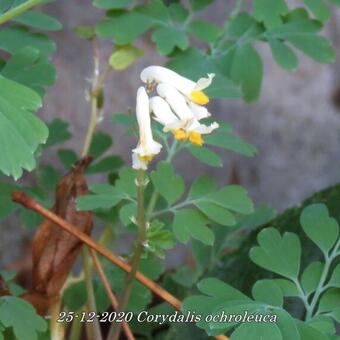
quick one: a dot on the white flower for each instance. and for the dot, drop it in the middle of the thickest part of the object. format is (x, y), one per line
(164, 115)
(147, 148)
(192, 90)
(186, 125)
(200, 112)
(176, 101)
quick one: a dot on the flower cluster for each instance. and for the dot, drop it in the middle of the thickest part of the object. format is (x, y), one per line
(178, 106)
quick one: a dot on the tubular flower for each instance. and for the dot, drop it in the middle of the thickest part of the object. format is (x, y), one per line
(192, 90)
(147, 148)
(164, 115)
(187, 126)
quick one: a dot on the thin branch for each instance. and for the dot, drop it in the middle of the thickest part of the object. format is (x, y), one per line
(28, 202)
(14, 12)
(93, 328)
(114, 332)
(109, 292)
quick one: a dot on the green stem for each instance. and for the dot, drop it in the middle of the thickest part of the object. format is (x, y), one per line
(14, 12)
(76, 328)
(91, 300)
(322, 283)
(92, 126)
(137, 254)
(96, 87)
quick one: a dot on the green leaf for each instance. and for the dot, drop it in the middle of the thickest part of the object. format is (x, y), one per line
(124, 56)
(204, 30)
(319, 226)
(128, 213)
(197, 5)
(323, 323)
(284, 55)
(21, 131)
(270, 12)
(232, 197)
(28, 67)
(202, 186)
(216, 213)
(194, 64)
(178, 13)
(158, 239)
(257, 331)
(190, 223)
(311, 277)
(279, 254)
(14, 39)
(230, 142)
(309, 333)
(243, 25)
(126, 182)
(222, 290)
(101, 143)
(335, 279)
(169, 185)
(74, 296)
(206, 156)
(319, 9)
(250, 77)
(105, 197)
(85, 32)
(156, 11)
(7, 206)
(39, 20)
(13, 309)
(288, 288)
(58, 132)
(302, 32)
(316, 47)
(269, 292)
(124, 27)
(330, 301)
(49, 177)
(110, 163)
(287, 325)
(112, 4)
(168, 38)
(67, 157)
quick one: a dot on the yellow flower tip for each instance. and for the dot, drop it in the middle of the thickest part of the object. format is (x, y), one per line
(146, 158)
(199, 97)
(180, 135)
(196, 138)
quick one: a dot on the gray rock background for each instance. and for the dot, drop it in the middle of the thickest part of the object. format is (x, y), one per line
(295, 124)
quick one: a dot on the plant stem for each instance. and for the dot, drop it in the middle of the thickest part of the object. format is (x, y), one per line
(91, 300)
(94, 92)
(57, 328)
(91, 127)
(109, 292)
(76, 328)
(10, 14)
(138, 251)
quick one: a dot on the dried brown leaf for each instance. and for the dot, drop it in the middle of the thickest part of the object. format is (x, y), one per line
(55, 251)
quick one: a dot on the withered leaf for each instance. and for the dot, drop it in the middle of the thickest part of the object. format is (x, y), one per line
(54, 250)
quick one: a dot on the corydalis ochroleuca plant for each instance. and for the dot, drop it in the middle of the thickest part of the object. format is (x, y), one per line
(177, 106)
